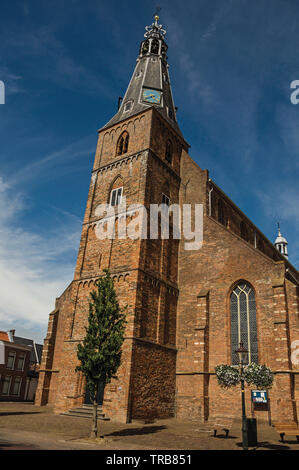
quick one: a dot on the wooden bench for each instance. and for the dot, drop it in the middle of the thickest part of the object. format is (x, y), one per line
(223, 424)
(288, 428)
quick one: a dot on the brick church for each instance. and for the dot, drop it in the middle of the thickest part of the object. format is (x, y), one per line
(187, 309)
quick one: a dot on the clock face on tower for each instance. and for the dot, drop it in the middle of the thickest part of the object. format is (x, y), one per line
(151, 96)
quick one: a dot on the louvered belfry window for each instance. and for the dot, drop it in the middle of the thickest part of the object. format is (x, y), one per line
(243, 322)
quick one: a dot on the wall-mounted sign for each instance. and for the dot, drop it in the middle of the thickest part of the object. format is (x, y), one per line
(259, 396)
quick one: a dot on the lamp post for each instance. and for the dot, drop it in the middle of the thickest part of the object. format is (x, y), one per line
(243, 354)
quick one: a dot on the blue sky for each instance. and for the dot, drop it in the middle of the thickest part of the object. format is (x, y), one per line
(64, 64)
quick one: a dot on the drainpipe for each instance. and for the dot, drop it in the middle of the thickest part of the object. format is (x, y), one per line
(210, 202)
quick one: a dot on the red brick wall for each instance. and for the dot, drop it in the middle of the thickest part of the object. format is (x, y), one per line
(224, 259)
(178, 300)
(13, 373)
(140, 269)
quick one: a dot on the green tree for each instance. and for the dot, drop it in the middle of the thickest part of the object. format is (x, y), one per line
(100, 352)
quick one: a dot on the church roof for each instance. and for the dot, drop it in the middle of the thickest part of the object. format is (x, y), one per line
(150, 83)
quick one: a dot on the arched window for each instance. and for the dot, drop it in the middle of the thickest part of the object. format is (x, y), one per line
(122, 144)
(155, 46)
(145, 47)
(169, 151)
(243, 321)
(116, 192)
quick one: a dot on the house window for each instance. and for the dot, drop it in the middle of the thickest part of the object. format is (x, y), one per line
(243, 322)
(6, 385)
(17, 386)
(168, 152)
(11, 360)
(122, 144)
(116, 196)
(21, 362)
(165, 199)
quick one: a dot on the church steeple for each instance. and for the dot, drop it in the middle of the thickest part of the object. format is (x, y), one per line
(150, 83)
(281, 244)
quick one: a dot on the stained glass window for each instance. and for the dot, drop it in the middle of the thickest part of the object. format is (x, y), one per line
(243, 322)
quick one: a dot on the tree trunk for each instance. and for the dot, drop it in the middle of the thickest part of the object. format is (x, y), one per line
(94, 431)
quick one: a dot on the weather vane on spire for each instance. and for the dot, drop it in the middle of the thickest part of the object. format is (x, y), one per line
(158, 9)
(155, 29)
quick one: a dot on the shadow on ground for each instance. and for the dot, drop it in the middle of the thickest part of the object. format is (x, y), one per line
(16, 446)
(137, 431)
(266, 445)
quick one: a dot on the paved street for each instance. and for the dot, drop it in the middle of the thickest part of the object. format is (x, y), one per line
(28, 427)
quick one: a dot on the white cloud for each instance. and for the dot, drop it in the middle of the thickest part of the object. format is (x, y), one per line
(32, 270)
(13, 82)
(46, 165)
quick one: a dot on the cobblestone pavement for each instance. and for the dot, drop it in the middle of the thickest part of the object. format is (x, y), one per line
(28, 427)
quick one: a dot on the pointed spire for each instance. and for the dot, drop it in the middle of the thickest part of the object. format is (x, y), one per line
(150, 83)
(281, 243)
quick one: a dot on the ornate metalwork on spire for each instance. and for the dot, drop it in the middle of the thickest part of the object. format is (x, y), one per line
(150, 84)
(156, 29)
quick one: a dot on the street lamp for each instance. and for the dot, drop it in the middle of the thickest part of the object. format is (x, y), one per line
(243, 355)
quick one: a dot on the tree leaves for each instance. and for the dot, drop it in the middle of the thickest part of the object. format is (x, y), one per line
(100, 352)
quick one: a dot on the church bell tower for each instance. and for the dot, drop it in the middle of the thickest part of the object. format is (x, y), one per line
(138, 160)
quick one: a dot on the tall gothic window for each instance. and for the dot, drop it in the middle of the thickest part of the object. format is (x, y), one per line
(122, 144)
(243, 322)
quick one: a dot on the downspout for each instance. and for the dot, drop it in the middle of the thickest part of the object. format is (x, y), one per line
(210, 202)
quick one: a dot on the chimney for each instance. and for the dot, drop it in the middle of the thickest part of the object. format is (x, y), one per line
(11, 334)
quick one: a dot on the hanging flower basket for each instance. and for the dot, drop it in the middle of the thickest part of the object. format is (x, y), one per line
(227, 376)
(259, 376)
